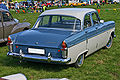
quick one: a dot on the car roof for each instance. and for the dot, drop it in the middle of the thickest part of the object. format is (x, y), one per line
(1, 9)
(75, 12)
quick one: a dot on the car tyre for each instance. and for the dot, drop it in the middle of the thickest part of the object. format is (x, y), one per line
(79, 61)
(109, 44)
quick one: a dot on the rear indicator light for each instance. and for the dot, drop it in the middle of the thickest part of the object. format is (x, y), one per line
(64, 50)
(9, 41)
(64, 45)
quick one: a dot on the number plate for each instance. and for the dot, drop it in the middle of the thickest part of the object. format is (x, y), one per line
(36, 51)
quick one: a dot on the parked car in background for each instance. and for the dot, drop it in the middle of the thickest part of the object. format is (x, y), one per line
(65, 36)
(82, 4)
(9, 25)
(73, 3)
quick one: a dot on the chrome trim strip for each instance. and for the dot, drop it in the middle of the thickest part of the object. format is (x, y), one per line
(41, 58)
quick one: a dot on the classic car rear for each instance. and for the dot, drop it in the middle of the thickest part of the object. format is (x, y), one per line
(62, 36)
(46, 39)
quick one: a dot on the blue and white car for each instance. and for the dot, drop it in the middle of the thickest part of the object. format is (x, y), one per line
(65, 36)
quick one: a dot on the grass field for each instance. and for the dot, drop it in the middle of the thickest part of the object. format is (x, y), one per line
(18, 0)
(102, 65)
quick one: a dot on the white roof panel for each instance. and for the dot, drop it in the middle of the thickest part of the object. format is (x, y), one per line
(76, 12)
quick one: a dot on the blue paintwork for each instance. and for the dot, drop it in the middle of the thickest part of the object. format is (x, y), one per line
(48, 39)
(45, 37)
(91, 32)
(54, 51)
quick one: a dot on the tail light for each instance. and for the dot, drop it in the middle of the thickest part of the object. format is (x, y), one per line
(9, 41)
(9, 44)
(64, 45)
(64, 50)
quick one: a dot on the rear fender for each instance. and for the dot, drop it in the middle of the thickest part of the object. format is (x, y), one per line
(20, 27)
(84, 52)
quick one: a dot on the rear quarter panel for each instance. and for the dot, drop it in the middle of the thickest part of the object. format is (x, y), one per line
(76, 45)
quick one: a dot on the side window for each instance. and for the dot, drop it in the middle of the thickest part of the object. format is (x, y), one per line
(44, 21)
(71, 22)
(87, 21)
(55, 19)
(95, 18)
(7, 16)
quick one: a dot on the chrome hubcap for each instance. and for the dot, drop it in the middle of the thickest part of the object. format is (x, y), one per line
(81, 59)
(109, 42)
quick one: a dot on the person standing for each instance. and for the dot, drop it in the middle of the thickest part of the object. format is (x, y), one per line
(103, 2)
(16, 5)
(9, 4)
(44, 8)
(3, 6)
(98, 4)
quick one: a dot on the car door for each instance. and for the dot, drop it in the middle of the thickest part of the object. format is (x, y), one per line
(102, 35)
(1, 29)
(76, 43)
(90, 31)
(8, 23)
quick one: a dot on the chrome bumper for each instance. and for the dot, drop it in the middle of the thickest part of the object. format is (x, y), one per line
(39, 58)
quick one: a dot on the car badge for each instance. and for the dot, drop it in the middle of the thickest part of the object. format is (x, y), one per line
(36, 43)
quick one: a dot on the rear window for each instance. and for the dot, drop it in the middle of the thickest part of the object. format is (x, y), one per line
(57, 21)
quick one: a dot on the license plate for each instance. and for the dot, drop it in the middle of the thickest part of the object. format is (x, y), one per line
(36, 51)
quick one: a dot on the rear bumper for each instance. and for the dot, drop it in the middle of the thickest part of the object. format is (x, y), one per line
(39, 58)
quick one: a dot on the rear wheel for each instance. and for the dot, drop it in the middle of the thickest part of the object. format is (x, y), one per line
(79, 61)
(109, 44)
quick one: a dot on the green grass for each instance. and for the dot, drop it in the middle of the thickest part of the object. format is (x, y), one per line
(102, 65)
(18, 0)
